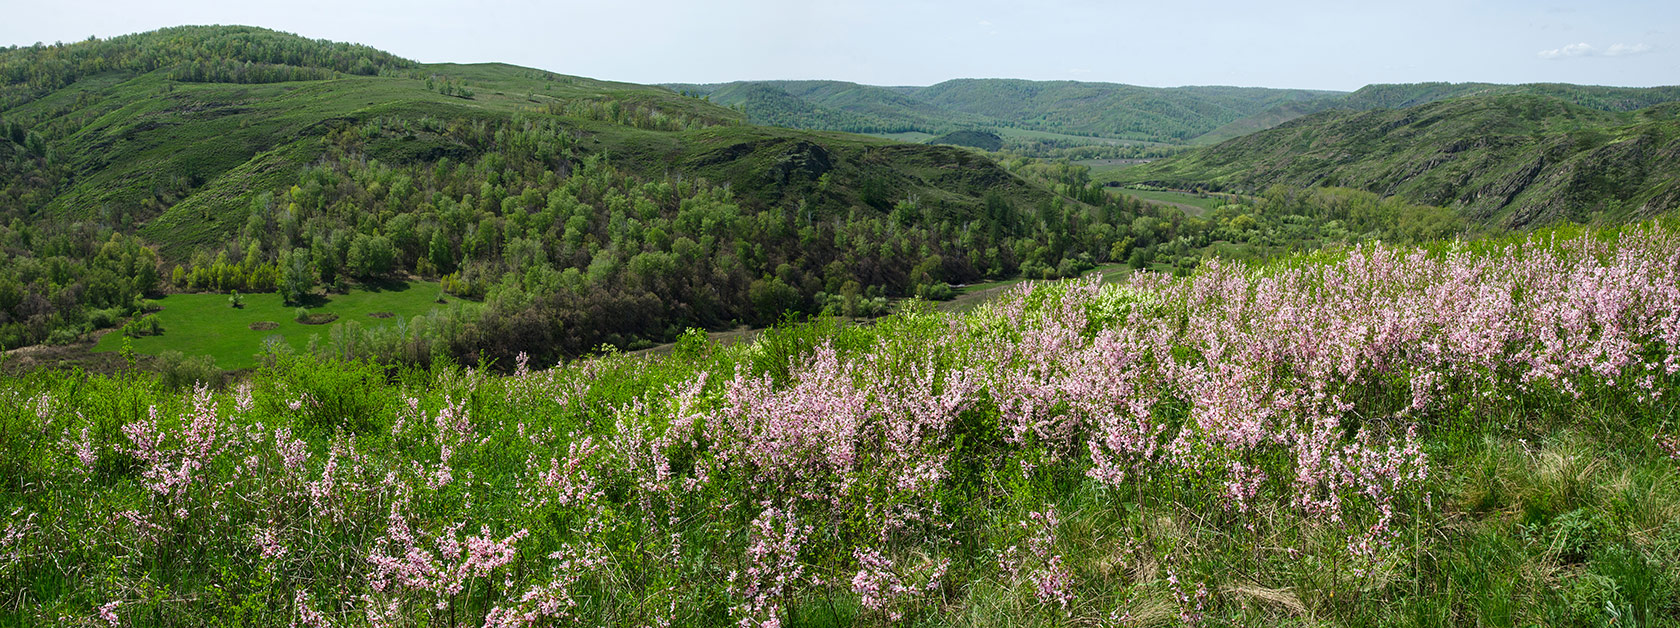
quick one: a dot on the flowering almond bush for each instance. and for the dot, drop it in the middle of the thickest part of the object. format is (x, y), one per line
(1475, 433)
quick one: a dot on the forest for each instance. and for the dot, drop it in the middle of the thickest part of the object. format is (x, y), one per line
(572, 245)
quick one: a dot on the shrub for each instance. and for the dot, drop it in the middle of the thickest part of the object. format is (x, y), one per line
(176, 371)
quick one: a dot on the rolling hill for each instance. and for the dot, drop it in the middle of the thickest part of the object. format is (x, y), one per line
(1506, 159)
(1404, 95)
(238, 158)
(1090, 110)
(1172, 114)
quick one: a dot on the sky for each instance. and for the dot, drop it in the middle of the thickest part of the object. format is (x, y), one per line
(1337, 45)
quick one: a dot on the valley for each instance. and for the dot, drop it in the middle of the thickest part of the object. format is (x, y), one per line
(302, 332)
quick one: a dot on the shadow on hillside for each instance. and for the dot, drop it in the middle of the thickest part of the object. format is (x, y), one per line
(385, 285)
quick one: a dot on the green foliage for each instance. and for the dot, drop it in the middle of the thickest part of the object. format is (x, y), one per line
(1545, 509)
(972, 139)
(331, 395)
(1507, 161)
(234, 54)
(1067, 109)
(584, 211)
(177, 371)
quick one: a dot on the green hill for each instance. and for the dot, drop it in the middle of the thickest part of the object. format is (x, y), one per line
(1174, 115)
(1092, 110)
(1603, 98)
(235, 158)
(1088, 113)
(1401, 96)
(1506, 160)
(831, 106)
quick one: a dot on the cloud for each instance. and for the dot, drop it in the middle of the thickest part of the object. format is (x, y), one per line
(1584, 49)
(1625, 49)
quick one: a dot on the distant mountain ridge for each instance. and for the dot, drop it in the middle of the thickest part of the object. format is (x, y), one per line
(1099, 110)
(1195, 115)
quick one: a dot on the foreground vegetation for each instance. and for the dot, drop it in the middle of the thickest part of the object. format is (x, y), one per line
(1470, 434)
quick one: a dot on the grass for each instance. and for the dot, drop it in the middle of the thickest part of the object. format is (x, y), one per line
(1539, 508)
(204, 324)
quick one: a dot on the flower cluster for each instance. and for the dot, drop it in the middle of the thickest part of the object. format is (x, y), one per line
(891, 589)
(773, 568)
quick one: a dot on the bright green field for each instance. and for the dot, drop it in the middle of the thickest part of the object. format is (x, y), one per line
(204, 324)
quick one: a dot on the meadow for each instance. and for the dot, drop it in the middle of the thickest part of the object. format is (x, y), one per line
(1465, 434)
(208, 324)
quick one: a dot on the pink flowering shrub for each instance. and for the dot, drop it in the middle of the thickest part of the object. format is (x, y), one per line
(437, 569)
(1039, 564)
(772, 571)
(893, 589)
(1079, 446)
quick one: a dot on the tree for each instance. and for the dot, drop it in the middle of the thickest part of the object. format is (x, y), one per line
(296, 280)
(371, 256)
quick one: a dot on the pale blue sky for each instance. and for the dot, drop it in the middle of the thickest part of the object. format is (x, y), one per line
(1309, 44)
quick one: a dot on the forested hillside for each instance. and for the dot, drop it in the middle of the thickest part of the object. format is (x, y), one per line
(832, 106)
(1508, 160)
(233, 158)
(1096, 110)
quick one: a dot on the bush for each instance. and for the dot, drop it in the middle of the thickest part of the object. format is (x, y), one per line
(103, 319)
(63, 336)
(143, 326)
(177, 371)
(330, 394)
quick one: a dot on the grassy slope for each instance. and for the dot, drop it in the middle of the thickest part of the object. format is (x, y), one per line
(1542, 509)
(1510, 160)
(1403, 95)
(206, 324)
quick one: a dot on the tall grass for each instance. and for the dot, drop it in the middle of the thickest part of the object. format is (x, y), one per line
(1464, 436)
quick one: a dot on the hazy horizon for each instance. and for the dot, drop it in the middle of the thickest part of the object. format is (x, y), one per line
(1300, 45)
